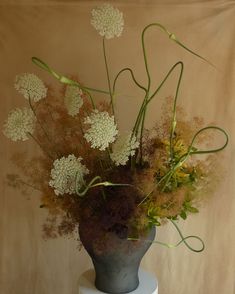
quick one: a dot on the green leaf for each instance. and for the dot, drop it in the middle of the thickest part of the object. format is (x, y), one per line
(192, 209)
(183, 215)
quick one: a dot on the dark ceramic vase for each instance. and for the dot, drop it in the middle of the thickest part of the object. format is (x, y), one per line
(117, 265)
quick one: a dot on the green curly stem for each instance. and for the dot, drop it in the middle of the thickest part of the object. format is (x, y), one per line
(140, 121)
(184, 157)
(63, 79)
(133, 78)
(103, 184)
(183, 240)
(145, 103)
(66, 80)
(144, 109)
(173, 123)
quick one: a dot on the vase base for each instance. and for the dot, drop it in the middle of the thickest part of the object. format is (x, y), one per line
(148, 283)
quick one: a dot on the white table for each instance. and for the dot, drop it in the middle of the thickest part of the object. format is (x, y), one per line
(148, 283)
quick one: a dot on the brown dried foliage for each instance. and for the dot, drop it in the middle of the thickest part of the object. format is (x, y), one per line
(109, 209)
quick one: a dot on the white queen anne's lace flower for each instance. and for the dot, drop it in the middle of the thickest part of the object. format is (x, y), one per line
(73, 100)
(66, 174)
(102, 131)
(107, 20)
(124, 147)
(30, 86)
(19, 123)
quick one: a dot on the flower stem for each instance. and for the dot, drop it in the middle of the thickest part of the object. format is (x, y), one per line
(63, 79)
(173, 123)
(108, 76)
(39, 122)
(40, 145)
(133, 78)
(183, 240)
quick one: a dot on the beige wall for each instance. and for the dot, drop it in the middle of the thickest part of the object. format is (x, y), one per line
(59, 32)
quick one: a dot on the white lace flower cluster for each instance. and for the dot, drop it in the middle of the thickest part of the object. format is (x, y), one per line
(73, 99)
(30, 86)
(108, 21)
(19, 123)
(123, 148)
(102, 131)
(68, 172)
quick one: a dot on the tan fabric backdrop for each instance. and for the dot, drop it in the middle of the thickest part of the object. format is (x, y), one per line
(60, 33)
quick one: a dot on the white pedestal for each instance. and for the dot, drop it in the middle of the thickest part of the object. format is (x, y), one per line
(148, 283)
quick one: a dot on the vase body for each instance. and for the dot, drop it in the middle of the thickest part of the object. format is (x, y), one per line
(117, 264)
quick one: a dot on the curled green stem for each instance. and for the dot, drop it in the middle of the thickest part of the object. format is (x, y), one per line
(145, 103)
(183, 240)
(191, 151)
(133, 78)
(66, 80)
(173, 38)
(173, 123)
(63, 79)
(142, 113)
(93, 184)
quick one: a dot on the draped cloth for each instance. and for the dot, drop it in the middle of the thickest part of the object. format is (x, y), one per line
(60, 33)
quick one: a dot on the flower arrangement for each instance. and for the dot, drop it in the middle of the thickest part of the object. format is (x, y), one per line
(91, 173)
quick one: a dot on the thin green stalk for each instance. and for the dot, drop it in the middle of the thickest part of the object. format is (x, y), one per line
(108, 76)
(133, 78)
(143, 112)
(90, 97)
(39, 122)
(92, 184)
(109, 151)
(183, 240)
(29, 185)
(173, 38)
(139, 117)
(142, 134)
(145, 103)
(53, 120)
(163, 81)
(155, 186)
(178, 42)
(141, 87)
(100, 184)
(83, 140)
(173, 123)
(39, 144)
(80, 125)
(101, 165)
(145, 57)
(190, 152)
(64, 79)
